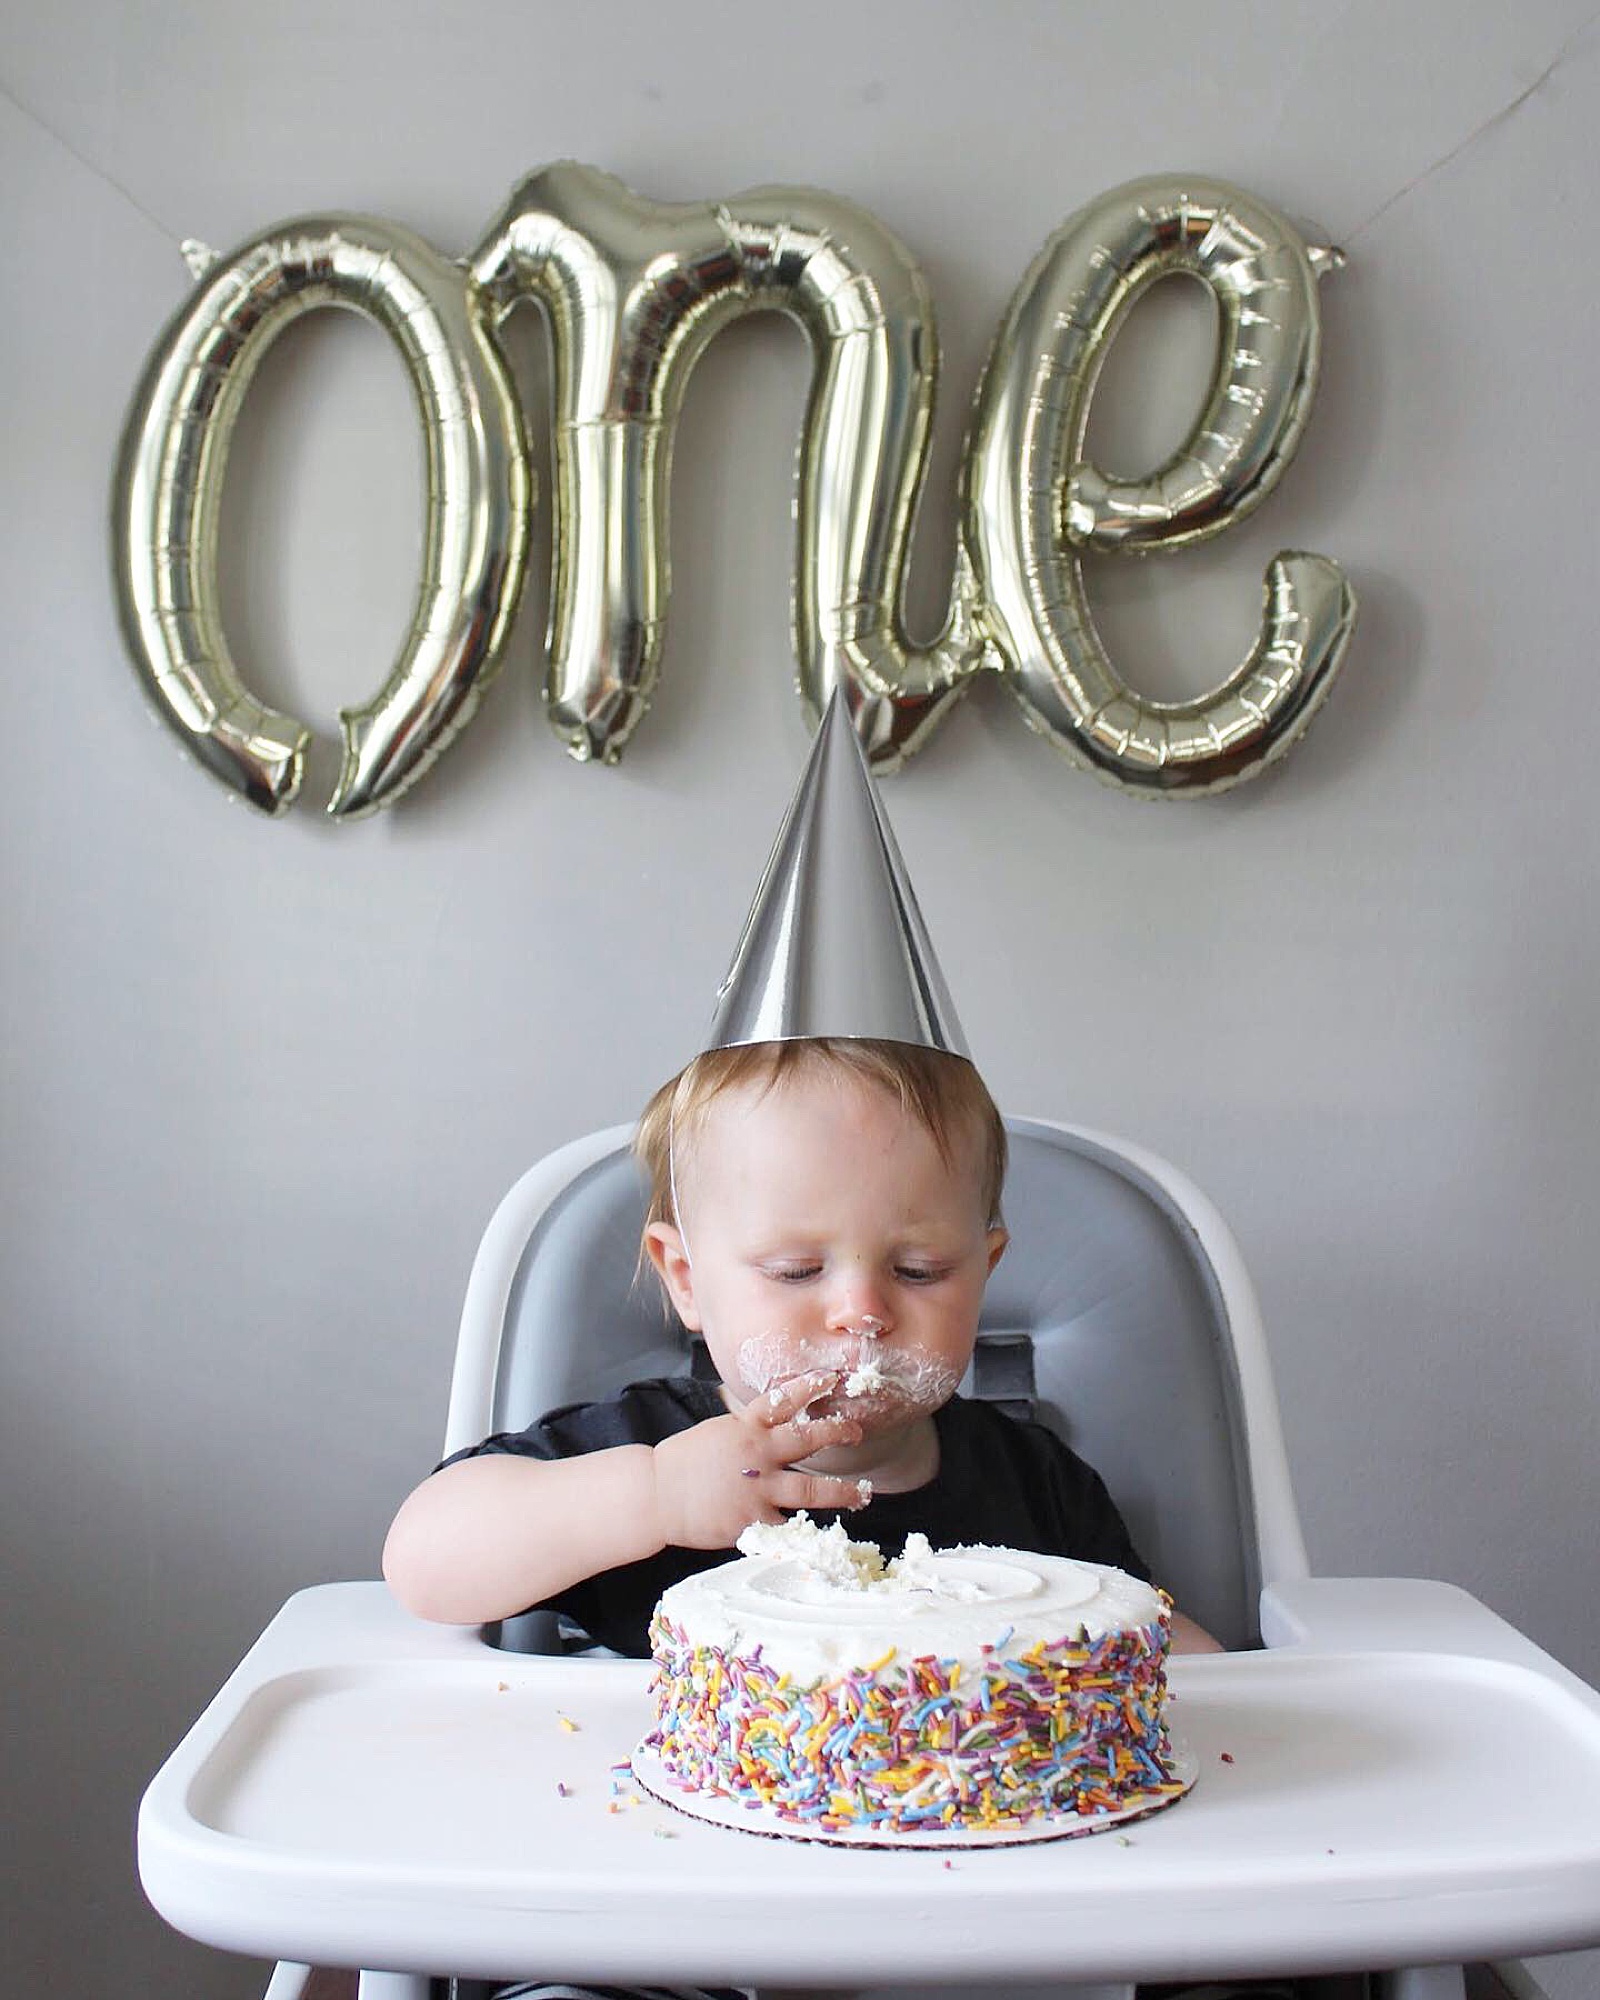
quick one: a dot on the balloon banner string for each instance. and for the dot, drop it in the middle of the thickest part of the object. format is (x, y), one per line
(1480, 131)
(99, 173)
(1508, 110)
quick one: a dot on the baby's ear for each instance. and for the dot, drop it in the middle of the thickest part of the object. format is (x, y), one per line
(666, 1249)
(998, 1239)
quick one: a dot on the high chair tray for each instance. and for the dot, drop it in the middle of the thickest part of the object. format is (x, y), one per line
(367, 1790)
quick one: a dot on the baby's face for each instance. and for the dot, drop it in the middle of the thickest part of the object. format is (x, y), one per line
(826, 1232)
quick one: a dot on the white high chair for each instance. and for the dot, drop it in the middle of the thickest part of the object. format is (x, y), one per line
(1122, 1315)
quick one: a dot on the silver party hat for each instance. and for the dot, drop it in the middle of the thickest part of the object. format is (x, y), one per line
(834, 943)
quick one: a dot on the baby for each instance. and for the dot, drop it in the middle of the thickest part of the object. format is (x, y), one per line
(825, 1213)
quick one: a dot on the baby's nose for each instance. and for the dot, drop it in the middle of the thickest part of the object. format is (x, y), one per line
(860, 1308)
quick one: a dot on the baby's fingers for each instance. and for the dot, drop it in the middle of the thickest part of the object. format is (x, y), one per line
(804, 1434)
(793, 1490)
(785, 1400)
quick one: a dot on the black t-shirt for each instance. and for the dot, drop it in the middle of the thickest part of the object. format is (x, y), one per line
(1008, 1483)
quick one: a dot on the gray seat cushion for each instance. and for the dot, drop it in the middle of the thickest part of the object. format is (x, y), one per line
(1104, 1316)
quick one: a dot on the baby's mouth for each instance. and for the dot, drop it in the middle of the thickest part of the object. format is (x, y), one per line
(885, 1387)
(876, 1383)
(868, 1378)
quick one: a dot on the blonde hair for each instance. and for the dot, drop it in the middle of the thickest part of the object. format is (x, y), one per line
(944, 1093)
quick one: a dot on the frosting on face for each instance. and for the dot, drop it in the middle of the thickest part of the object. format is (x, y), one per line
(895, 1382)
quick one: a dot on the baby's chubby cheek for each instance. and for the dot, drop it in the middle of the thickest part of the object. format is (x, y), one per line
(766, 1359)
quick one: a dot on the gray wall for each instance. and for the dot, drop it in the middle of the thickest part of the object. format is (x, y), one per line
(263, 1083)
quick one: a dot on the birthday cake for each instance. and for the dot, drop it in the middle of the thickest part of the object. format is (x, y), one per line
(947, 1693)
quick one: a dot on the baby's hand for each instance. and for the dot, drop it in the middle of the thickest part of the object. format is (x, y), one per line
(713, 1480)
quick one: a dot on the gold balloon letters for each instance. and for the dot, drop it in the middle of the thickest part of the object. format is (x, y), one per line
(632, 291)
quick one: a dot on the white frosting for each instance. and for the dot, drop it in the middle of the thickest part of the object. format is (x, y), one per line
(818, 1604)
(901, 1379)
(866, 1376)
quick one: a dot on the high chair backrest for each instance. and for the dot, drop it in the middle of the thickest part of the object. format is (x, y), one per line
(1121, 1315)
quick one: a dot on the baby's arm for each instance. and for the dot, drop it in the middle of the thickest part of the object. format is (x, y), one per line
(1188, 1637)
(486, 1537)
(489, 1536)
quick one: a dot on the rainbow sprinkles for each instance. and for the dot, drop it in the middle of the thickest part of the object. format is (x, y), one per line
(949, 1693)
